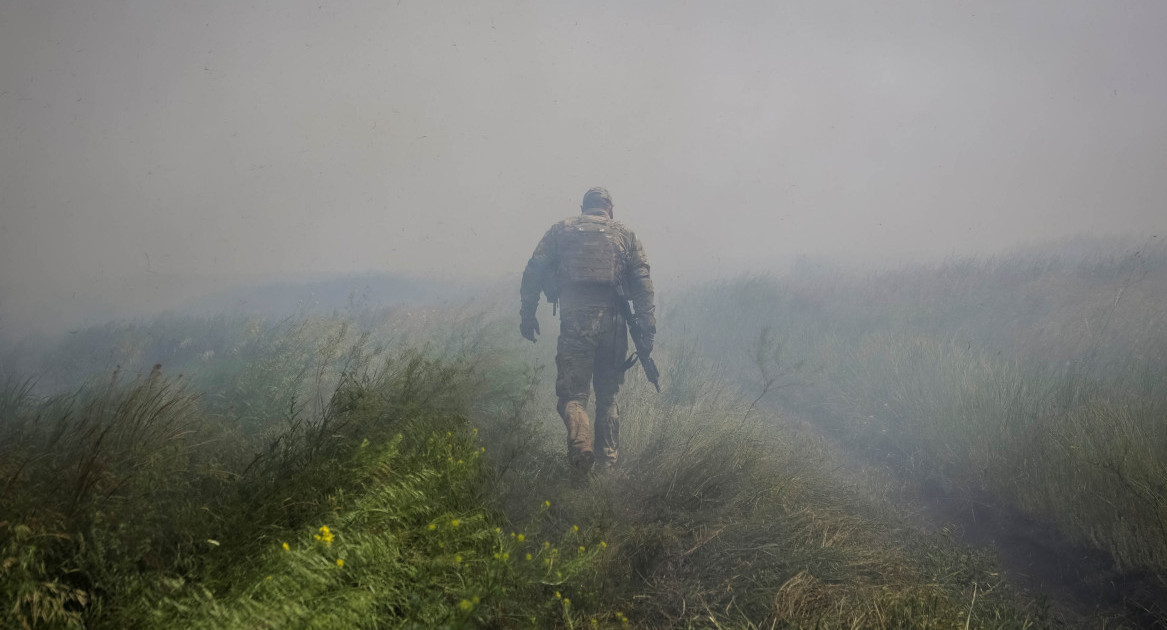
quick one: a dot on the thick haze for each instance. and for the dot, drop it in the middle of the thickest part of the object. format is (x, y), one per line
(149, 148)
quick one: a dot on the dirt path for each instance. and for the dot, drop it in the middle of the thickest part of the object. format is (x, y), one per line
(1081, 585)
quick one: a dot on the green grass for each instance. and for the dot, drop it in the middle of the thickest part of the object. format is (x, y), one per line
(128, 507)
(411, 546)
(427, 445)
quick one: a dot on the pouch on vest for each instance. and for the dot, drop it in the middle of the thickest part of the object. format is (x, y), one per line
(589, 254)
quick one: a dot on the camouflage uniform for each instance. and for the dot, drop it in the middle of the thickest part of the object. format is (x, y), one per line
(579, 261)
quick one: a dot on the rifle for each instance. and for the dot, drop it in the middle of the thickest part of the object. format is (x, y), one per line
(645, 360)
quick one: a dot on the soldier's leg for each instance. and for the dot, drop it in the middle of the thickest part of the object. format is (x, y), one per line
(572, 385)
(609, 375)
(607, 430)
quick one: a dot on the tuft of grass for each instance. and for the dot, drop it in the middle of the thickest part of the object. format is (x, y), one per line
(90, 489)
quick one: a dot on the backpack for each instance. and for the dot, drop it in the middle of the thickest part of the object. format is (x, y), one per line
(590, 252)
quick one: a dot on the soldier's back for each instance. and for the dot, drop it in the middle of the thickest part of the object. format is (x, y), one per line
(592, 253)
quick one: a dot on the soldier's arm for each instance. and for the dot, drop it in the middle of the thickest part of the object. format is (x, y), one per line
(639, 286)
(534, 276)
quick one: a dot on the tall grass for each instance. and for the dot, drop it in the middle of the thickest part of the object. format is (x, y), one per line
(411, 468)
(1037, 381)
(130, 481)
(725, 514)
(92, 487)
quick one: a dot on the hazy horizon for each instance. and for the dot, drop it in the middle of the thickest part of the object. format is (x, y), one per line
(147, 145)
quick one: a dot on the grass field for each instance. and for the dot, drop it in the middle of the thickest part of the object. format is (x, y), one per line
(404, 467)
(1036, 381)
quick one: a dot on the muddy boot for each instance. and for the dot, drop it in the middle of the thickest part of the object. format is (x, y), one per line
(604, 468)
(579, 429)
(581, 469)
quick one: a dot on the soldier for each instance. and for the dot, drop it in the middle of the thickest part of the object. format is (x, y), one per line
(580, 263)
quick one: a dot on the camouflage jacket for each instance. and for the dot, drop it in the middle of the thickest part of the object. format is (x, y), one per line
(546, 271)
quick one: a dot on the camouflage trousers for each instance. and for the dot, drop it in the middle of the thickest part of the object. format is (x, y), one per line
(593, 342)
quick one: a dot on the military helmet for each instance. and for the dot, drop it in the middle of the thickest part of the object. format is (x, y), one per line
(596, 198)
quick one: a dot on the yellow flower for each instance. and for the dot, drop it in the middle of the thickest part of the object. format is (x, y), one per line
(432, 527)
(558, 595)
(455, 523)
(506, 556)
(466, 605)
(582, 549)
(546, 504)
(325, 535)
(340, 562)
(574, 528)
(522, 538)
(286, 547)
(457, 559)
(528, 557)
(603, 545)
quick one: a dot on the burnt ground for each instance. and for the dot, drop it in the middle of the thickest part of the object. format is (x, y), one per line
(1082, 586)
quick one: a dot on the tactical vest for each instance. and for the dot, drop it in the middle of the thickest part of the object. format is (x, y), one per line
(590, 253)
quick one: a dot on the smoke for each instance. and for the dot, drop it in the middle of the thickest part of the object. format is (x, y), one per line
(151, 150)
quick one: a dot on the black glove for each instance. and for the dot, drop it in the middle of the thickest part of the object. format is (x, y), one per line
(529, 327)
(646, 322)
(646, 327)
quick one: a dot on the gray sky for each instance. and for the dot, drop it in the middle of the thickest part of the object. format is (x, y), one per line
(146, 144)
